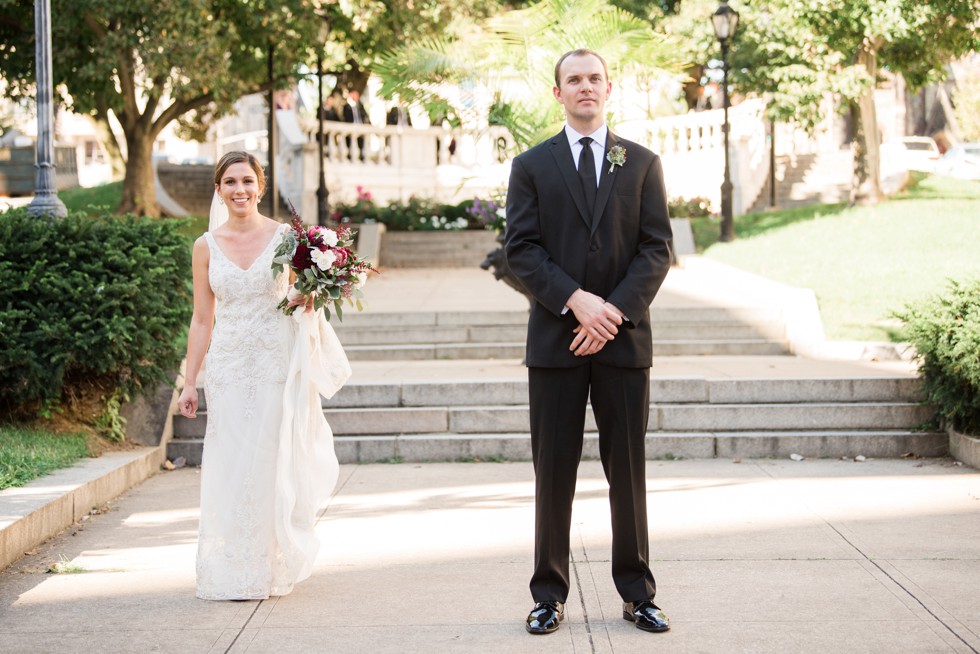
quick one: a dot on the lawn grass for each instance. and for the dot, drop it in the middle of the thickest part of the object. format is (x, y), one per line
(106, 198)
(27, 453)
(863, 263)
(96, 198)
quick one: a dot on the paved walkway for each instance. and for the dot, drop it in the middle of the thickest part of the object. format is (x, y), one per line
(758, 556)
(761, 556)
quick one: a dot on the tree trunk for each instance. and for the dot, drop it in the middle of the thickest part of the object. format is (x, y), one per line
(139, 191)
(866, 185)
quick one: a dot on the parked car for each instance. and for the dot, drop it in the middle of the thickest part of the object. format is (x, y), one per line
(914, 152)
(961, 161)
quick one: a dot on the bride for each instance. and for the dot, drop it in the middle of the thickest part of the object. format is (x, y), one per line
(268, 460)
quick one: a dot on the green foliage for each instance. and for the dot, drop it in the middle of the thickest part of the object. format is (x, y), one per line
(110, 422)
(800, 53)
(361, 31)
(689, 207)
(794, 52)
(143, 65)
(945, 330)
(417, 214)
(26, 454)
(89, 301)
(97, 199)
(508, 61)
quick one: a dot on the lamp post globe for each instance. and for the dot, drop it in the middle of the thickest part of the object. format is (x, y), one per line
(725, 22)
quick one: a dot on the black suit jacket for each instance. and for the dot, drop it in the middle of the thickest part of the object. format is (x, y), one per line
(621, 252)
(348, 112)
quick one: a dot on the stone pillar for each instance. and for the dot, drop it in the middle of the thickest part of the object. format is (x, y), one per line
(46, 201)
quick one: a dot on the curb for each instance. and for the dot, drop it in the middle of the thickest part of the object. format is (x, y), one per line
(31, 514)
(964, 448)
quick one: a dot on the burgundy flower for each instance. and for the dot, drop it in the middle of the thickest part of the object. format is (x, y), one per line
(301, 258)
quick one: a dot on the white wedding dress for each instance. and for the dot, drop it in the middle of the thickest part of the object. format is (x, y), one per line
(268, 463)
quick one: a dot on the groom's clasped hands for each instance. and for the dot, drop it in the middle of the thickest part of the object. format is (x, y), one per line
(598, 322)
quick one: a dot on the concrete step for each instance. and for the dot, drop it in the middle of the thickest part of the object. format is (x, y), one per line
(660, 445)
(672, 390)
(369, 320)
(508, 333)
(771, 444)
(515, 349)
(712, 406)
(663, 417)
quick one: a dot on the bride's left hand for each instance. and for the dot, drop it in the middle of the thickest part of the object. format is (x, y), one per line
(296, 300)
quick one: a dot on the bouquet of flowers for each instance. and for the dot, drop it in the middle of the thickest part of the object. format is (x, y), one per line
(324, 264)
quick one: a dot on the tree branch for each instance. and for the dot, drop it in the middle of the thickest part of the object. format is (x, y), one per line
(126, 75)
(177, 109)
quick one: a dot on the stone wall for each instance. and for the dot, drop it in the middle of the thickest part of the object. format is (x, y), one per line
(436, 249)
(192, 186)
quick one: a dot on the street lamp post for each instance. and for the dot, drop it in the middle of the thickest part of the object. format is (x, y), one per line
(46, 201)
(322, 194)
(725, 22)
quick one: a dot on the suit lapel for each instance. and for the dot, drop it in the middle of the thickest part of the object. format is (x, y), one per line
(562, 153)
(606, 181)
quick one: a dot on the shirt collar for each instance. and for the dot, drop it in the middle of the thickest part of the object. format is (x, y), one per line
(599, 136)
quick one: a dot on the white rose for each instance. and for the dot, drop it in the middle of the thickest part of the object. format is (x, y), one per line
(329, 237)
(323, 259)
(361, 278)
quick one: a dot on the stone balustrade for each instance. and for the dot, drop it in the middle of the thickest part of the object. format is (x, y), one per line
(451, 165)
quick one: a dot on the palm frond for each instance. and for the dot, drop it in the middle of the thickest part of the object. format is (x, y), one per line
(511, 59)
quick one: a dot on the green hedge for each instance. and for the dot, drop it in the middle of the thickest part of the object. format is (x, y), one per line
(89, 300)
(945, 331)
(417, 214)
(421, 214)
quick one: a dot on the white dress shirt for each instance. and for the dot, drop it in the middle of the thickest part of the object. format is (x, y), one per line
(598, 146)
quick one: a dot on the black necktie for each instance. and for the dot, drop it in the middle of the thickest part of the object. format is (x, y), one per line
(586, 171)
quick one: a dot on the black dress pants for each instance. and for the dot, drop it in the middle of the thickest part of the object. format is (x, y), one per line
(621, 404)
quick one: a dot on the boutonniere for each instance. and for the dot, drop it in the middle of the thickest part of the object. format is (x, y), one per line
(616, 156)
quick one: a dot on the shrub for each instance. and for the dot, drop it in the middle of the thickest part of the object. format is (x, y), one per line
(945, 331)
(89, 301)
(689, 207)
(417, 214)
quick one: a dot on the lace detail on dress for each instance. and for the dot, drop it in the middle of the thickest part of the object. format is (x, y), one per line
(245, 373)
(247, 348)
(269, 462)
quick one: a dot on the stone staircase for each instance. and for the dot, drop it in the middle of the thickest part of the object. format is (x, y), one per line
(677, 331)
(438, 377)
(806, 179)
(432, 419)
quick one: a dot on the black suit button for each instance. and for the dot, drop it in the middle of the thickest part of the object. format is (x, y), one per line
(594, 248)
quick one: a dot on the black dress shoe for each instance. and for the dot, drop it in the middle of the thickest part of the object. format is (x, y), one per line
(646, 615)
(545, 617)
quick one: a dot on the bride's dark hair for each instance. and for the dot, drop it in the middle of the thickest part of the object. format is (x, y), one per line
(240, 156)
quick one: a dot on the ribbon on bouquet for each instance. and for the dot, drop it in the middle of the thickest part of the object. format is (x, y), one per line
(307, 467)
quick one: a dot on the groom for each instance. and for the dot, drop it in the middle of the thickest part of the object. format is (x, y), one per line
(589, 237)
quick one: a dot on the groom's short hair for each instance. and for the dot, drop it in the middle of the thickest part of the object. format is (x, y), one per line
(579, 52)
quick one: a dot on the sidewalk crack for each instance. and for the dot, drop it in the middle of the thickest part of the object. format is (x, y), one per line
(581, 599)
(877, 566)
(902, 586)
(244, 626)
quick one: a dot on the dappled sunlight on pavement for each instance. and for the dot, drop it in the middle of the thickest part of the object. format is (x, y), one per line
(744, 553)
